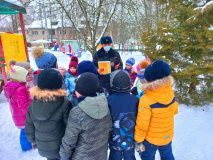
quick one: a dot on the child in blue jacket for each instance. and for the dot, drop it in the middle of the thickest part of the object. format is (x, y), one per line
(123, 107)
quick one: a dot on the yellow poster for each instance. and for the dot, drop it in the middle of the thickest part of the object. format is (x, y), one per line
(106, 65)
(13, 46)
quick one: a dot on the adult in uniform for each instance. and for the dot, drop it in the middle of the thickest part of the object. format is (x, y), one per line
(106, 53)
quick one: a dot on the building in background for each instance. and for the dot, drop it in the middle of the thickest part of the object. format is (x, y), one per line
(55, 31)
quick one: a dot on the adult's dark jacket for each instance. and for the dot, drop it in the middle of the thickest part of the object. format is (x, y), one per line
(46, 120)
(111, 56)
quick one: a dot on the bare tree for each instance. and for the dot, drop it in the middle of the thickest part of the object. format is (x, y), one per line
(91, 11)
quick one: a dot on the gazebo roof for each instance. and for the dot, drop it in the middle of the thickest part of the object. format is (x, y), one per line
(11, 7)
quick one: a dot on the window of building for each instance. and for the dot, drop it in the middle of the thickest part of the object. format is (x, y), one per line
(34, 33)
(43, 32)
(61, 31)
(73, 31)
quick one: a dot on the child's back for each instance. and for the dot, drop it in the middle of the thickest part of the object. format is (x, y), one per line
(155, 120)
(89, 123)
(19, 100)
(123, 108)
(47, 114)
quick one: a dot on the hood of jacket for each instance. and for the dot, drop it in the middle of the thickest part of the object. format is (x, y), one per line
(11, 87)
(46, 103)
(163, 95)
(95, 107)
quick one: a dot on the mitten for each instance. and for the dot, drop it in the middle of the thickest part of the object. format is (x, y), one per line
(139, 147)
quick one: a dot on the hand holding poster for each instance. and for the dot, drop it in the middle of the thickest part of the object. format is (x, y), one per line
(106, 65)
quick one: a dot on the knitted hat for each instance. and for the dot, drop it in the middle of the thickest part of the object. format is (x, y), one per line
(138, 67)
(73, 62)
(130, 61)
(147, 59)
(120, 81)
(144, 64)
(87, 84)
(141, 75)
(23, 64)
(49, 79)
(86, 66)
(157, 70)
(18, 73)
(106, 40)
(43, 59)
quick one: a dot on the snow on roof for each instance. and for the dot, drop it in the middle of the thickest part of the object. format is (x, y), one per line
(40, 41)
(26, 27)
(16, 2)
(57, 24)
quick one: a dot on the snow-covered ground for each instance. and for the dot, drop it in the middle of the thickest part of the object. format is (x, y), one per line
(193, 138)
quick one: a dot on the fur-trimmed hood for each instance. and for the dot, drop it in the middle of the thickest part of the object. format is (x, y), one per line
(47, 95)
(160, 90)
(46, 103)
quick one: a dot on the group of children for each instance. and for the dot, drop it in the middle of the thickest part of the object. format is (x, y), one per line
(67, 115)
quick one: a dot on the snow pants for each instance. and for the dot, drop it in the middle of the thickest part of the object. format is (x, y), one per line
(25, 144)
(150, 151)
(119, 155)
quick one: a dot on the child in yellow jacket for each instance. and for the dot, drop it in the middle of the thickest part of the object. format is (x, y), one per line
(157, 107)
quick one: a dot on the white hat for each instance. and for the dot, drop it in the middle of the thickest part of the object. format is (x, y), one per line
(18, 73)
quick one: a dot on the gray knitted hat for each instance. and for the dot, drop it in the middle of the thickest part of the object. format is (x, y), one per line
(25, 65)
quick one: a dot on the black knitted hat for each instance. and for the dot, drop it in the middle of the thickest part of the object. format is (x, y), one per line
(120, 81)
(86, 84)
(49, 79)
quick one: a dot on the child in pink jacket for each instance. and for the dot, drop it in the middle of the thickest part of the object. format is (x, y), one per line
(19, 99)
(26, 65)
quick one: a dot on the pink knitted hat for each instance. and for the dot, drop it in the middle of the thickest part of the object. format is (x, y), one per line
(147, 59)
(138, 67)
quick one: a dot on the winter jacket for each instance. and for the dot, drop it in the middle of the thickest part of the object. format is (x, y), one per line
(112, 56)
(155, 119)
(88, 130)
(69, 81)
(35, 78)
(132, 76)
(123, 108)
(74, 99)
(46, 120)
(19, 100)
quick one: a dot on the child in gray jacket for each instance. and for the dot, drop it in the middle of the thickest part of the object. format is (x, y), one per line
(89, 124)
